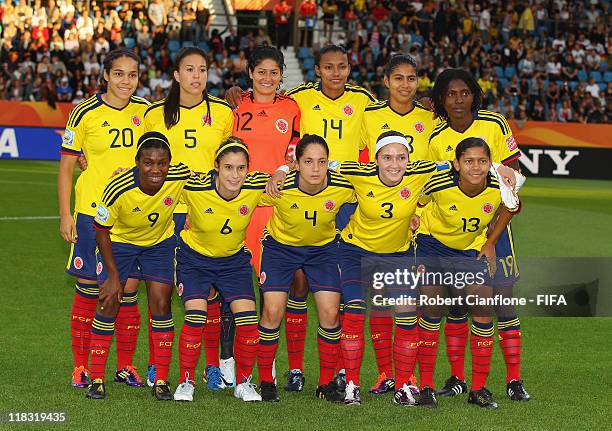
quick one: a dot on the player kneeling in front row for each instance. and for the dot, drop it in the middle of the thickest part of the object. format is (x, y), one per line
(452, 238)
(220, 205)
(135, 230)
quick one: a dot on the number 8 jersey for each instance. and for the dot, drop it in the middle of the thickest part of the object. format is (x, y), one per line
(107, 137)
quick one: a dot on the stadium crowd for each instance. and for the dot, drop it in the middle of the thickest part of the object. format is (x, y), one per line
(535, 60)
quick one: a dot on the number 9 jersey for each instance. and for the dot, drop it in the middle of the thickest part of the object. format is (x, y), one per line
(107, 137)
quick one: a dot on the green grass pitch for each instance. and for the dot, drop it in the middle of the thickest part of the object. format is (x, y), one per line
(567, 365)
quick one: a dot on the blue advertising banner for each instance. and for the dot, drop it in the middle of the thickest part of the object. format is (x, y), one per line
(33, 143)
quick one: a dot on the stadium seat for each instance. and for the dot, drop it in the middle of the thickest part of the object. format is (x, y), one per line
(214, 92)
(173, 55)
(486, 47)
(509, 72)
(304, 53)
(499, 71)
(310, 76)
(596, 75)
(582, 75)
(204, 47)
(602, 86)
(503, 82)
(607, 76)
(187, 43)
(573, 85)
(309, 63)
(174, 45)
(129, 42)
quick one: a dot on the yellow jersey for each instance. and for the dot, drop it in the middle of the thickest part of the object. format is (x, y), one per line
(218, 227)
(455, 219)
(337, 120)
(134, 217)
(417, 125)
(107, 137)
(301, 219)
(490, 126)
(381, 222)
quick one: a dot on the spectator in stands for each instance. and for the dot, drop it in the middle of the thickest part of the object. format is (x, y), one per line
(202, 22)
(282, 13)
(157, 13)
(330, 9)
(308, 17)
(189, 22)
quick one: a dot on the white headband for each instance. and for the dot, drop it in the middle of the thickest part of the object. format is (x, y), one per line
(393, 140)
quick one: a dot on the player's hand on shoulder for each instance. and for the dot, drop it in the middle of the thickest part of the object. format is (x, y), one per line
(82, 161)
(507, 175)
(233, 96)
(275, 184)
(119, 171)
(68, 229)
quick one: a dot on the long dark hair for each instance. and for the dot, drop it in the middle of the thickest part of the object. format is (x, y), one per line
(440, 88)
(172, 104)
(109, 60)
(468, 143)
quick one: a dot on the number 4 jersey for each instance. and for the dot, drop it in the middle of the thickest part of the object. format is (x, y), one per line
(107, 137)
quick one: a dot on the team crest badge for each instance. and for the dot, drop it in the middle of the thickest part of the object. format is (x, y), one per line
(168, 200)
(243, 210)
(78, 262)
(282, 125)
(329, 205)
(348, 110)
(99, 268)
(262, 278)
(405, 193)
(488, 208)
(421, 269)
(136, 120)
(179, 289)
(206, 120)
(419, 127)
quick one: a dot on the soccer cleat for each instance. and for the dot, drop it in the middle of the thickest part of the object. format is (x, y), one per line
(405, 396)
(482, 398)
(212, 378)
(330, 393)
(340, 380)
(383, 385)
(246, 391)
(352, 396)
(427, 398)
(228, 372)
(161, 390)
(184, 391)
(453, 387)
(80, 377)
(96, 390)
(269, 392)
(129, 376)
(516, 391)
(151, 373)
(295, 381)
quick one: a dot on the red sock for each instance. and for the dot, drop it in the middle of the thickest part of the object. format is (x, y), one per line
(456, 333)
(101, 335)
(190, 343)
(163, 337)
(266, 352)
(151, 343)
(246, 344)
(328, 341)
(82, 314)
(405, 347)
(127, 326)
(481, 342)
(381, 328)
(296, 319)
(509, 331)
(429, 330)
(340, 360)
(212, 332)
(352, 341)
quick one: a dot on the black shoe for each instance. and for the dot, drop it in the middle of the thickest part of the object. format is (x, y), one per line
(452, 387)
(482, 398)
(516, 391)
(330, 392)
(340, 381)
(295, 381)
(161, 390)
(96, 390)
(269, 392)
(427, 398)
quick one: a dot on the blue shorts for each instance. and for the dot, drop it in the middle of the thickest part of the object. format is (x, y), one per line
(232, 276)
(359, 267)
(155, 263)
(82, 260)
(179, 223)
(436, 257)
(507, 266)
(279, 263)
(344, 215)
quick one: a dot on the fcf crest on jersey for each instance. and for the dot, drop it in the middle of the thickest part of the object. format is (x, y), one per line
(262, 278)
(206, 119)
(329, 205)
(179, 289)
(405, 193)
(168, 200)
(136, 120)
(78, 262)
(243, 210)
(488, 208)
(282, 125)
(348, 110)
(419, 127)
(99, 268)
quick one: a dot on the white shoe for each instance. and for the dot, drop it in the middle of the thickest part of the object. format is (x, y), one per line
(352, 396)
(228, 373)
(405, 396)
(184, 391)
(246, 391)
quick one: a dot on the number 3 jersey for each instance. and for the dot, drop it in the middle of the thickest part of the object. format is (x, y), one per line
(455, 219)
(218, 226)
(134, 217)
(107, 137)
(301, 219)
